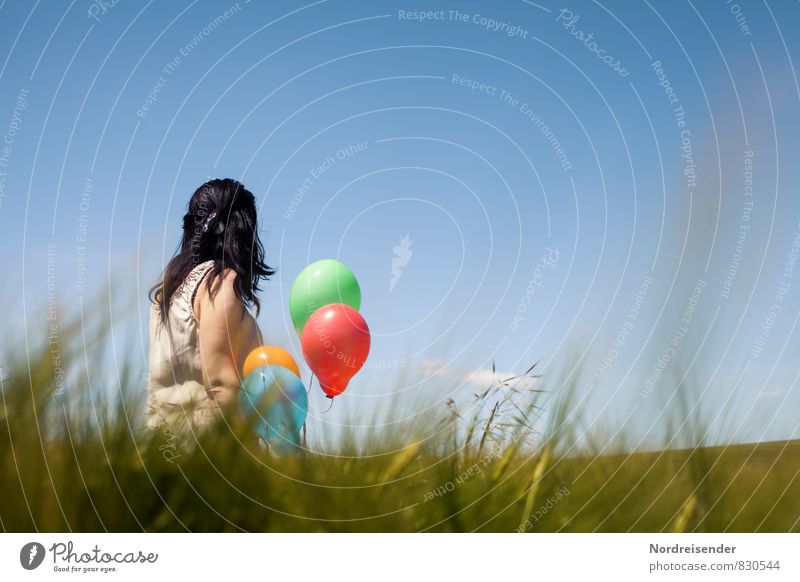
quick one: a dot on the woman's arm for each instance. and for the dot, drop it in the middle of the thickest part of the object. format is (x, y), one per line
(227, 334)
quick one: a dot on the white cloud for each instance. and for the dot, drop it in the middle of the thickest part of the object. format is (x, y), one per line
(480, 377)
(770, 393)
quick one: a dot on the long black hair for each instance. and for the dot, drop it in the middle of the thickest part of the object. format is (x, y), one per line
(220, 224)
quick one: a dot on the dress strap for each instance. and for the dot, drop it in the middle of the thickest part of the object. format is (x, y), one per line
(190, 285)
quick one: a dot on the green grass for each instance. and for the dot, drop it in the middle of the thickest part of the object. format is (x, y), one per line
(505, 461)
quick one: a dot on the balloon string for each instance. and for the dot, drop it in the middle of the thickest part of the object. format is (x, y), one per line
(319, 411)
(316, 410)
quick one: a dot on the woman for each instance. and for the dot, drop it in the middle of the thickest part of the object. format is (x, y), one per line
(200, 326)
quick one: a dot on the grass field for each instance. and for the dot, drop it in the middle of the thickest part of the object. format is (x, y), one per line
(74, 462)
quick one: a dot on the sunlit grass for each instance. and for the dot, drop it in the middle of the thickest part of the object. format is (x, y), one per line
(506, 461)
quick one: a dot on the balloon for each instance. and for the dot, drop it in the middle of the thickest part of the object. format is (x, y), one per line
(278, 399)
(335, 344)
(269, 356)
(321, 283)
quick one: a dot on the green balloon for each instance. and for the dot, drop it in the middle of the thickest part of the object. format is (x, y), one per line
(326, 281)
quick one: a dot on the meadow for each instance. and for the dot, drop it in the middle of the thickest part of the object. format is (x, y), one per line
(74, 458)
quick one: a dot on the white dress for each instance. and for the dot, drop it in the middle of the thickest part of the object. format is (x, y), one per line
(177, 398)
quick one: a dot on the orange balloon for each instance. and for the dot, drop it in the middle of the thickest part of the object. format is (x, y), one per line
(270, 356)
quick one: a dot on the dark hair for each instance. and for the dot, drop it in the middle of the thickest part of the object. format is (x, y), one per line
(220, 224)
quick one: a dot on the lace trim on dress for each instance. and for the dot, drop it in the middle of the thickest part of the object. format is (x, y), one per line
(188, 289)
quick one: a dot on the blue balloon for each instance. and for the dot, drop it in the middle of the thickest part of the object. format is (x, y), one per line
(278, 400)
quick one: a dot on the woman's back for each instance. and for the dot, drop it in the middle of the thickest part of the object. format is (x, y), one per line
(176, 391)
(200, 326)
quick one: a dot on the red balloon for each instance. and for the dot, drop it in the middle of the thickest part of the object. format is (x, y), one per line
(335, 344)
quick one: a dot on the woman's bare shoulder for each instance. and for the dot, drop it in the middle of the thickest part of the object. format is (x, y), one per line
(223, 301)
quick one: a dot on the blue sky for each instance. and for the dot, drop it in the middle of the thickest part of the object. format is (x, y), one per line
(496, 139)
